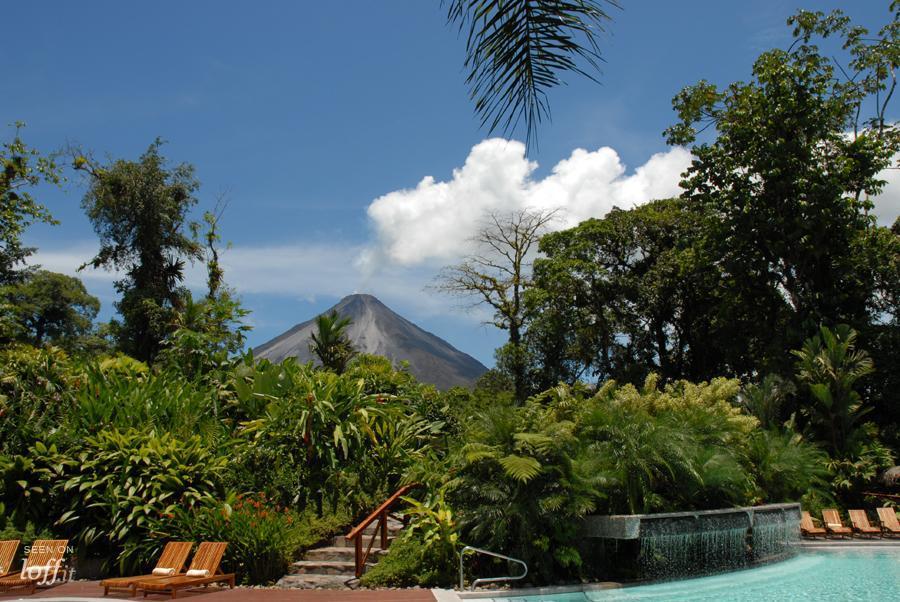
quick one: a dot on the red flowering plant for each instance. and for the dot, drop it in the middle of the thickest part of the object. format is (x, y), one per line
(263, 537)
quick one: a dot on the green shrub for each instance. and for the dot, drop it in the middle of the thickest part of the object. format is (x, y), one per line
(24, 493)
(165, 402)
(786, 467)
(342, 444)
(104, 492)
(854, 473)
(380, 376)
(410, 563)
(524, 477)
(523, 482)
(679, 447)
(124, 366)
(35, 394)
(263, 537)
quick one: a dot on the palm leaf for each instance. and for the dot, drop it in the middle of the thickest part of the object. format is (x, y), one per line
(516, 50)
(540, 442)
(520, 468)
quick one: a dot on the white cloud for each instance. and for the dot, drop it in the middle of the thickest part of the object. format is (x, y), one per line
(887, 204)
(434, 220)
(67, 261)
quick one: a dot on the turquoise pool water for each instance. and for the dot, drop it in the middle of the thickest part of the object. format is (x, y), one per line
(846, 575)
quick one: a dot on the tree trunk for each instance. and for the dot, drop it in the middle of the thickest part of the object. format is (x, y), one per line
(518, 367)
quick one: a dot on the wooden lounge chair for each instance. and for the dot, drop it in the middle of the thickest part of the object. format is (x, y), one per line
(44, 561)
(889, 524)
(205, 564)
(808, 527)
(861, 525)
(173, 557)
(833, 524)
(7, 556)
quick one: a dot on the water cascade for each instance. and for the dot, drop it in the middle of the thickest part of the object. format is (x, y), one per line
(723, 541)
(679, 544)
(775, 534)
(668, 547)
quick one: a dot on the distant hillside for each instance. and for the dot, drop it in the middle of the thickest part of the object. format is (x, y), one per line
(379, 331)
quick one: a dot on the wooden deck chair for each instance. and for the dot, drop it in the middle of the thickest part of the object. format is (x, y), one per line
(170, 563)
(833, 524)
(860, 523)
(7, 556)
(808, 527)
(204, 570)
(889, 524)
(43, 564)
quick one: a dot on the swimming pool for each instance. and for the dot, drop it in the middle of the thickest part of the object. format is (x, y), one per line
(846, 575)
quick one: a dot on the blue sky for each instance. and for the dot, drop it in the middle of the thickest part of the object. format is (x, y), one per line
(319, 121)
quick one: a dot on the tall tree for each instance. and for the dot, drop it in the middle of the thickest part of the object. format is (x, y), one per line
(517, 49)
(51, 308)
(330, 343)
(21, 168)
(797, 155)
(139, 209)
(498, 274)
(630, 293)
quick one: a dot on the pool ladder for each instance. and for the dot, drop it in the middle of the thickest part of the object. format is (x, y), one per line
(477, 582)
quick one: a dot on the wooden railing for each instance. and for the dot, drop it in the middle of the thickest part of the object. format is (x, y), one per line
(381, 514)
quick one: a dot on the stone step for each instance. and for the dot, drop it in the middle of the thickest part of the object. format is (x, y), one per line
(339, 553)
(316, 581)
(323, 567)
(339, 541)
(393, 527)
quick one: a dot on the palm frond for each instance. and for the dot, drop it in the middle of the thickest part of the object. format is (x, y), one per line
(516, 50)
(521, 468)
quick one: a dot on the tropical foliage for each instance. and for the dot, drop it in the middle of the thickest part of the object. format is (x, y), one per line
(524, 476)
(329, 342)
(733, 346)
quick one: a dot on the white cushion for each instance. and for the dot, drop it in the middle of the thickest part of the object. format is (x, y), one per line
(163, 572)
(197, 573)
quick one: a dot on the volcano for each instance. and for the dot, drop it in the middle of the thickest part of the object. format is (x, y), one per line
(378, 330)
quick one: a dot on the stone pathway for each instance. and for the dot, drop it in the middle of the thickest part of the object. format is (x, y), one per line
(332, 566)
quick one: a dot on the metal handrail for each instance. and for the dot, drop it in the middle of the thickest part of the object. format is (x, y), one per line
(489, 579)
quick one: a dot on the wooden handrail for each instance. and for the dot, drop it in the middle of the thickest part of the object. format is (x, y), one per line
(380, 514)
(377, 512)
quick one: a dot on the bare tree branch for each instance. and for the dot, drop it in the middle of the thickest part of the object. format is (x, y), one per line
(499, 271)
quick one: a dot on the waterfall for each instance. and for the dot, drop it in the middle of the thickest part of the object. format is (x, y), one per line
(775, 535)
(680, 544)
(673, 548)
(723, 542)
(668, 549)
